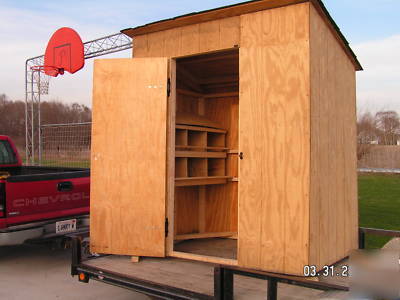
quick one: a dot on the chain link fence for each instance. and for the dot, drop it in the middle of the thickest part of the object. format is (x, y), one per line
(65, 145)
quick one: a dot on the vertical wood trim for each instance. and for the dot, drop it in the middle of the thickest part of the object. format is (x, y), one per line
(202, 189)
(170, 179)
(315, 192)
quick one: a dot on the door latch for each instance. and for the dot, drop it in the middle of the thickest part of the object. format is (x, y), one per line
(241, 155)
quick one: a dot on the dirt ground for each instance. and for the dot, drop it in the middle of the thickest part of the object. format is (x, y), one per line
(37, 272)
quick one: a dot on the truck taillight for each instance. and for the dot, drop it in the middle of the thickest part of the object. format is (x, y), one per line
(2, 199)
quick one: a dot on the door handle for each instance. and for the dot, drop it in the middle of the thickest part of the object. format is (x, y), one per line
(65, 186)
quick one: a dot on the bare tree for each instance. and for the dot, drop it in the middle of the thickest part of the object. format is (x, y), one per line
(366, 130)
(12, 116)
(366, 133)
(388, 125)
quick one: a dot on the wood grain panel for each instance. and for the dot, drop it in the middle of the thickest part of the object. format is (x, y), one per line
(222, 200)
(188, 40)
(210, 15)
(221, 207)
(274, 173)
(186, 210)
(140, 46)
(156, 44)
(209, 36)
(276, 26)
(333, 198)
(274, 135)
(229, 32)
(173, 42)
(129, 218)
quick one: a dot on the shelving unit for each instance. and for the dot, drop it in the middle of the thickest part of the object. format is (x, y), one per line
(200, 155)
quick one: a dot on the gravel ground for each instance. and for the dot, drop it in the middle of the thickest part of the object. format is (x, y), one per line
(38, 272)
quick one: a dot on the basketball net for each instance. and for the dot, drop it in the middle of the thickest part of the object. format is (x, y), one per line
(42, 79)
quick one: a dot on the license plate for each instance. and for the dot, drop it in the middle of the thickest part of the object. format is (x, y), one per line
(66, 226)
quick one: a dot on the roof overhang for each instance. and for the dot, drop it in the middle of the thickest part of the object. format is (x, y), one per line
(239, 9)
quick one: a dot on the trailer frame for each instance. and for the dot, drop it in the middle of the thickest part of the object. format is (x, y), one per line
(223, 280)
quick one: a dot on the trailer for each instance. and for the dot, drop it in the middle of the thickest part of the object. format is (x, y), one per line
(176, 278)
(200, 280)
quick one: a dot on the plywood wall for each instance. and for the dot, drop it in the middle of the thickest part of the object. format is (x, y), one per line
(333, 194)
(188, 40)
(274, 136)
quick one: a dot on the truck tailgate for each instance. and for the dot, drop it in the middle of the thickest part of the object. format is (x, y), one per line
(33, 197)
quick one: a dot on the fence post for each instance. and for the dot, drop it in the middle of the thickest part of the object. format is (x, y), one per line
(361, 239)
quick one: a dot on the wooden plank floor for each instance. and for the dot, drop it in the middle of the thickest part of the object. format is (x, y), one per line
(219, 247)
(195, 276)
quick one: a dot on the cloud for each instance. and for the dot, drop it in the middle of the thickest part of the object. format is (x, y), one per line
(378, 86)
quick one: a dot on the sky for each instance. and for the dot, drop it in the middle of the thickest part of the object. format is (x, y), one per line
(372, 28)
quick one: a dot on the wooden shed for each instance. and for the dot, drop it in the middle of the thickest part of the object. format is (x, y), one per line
(229, 137)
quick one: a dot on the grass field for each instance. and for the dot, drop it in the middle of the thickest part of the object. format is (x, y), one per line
(379, 204)
(70, 164)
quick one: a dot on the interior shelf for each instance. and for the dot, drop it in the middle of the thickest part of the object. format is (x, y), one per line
(207, 180)
(199, 128)
(186, 147)
(200, 152)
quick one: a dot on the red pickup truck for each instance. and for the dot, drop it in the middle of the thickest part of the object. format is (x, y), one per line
(40, 202)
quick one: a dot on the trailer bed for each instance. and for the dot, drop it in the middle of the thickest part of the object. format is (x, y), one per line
(192, 276)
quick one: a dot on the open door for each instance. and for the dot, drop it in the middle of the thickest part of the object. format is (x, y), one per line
(129, 153)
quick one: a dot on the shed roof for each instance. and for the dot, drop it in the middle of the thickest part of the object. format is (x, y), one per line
(239, 9)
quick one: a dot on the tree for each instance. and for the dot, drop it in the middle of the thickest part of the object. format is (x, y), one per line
(366, 130)
(12, 116)
(388, 125)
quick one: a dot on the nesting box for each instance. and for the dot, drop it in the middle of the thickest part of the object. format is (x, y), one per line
(229, 137)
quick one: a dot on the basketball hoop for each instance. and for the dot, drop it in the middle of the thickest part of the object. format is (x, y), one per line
(64, 52)
(42, 79)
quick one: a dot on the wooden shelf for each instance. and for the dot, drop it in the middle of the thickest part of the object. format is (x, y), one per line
(200, 154)
(199, 128)
(204, 235)
(201, 148)
(190, 181)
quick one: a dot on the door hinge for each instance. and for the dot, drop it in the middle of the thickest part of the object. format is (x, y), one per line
(166, 227)
(168, 87)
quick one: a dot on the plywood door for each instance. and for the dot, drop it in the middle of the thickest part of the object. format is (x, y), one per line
(129, 140)
(274, 136)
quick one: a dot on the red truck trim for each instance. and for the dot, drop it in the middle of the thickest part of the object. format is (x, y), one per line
(43, 216)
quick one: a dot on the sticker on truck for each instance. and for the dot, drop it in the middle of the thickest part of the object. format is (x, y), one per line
(66, 226)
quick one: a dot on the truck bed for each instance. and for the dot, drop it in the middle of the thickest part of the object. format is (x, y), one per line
(34, 173)
(192, 276)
